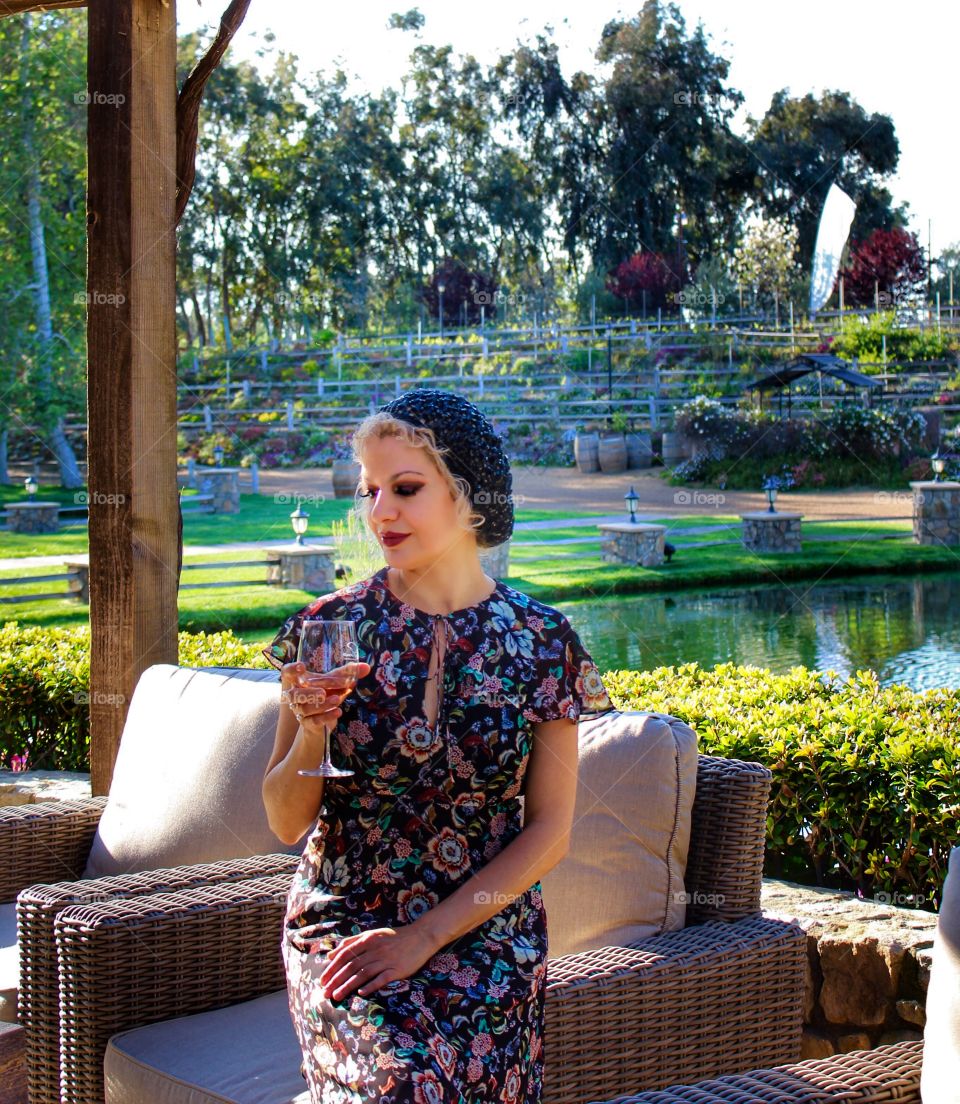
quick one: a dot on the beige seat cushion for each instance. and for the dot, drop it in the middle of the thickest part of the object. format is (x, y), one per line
(245, 1054)
(622, 879)
(940, 1074)
(9, 963)
(186, 786)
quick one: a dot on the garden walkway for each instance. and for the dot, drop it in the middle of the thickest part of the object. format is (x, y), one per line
(568, 489)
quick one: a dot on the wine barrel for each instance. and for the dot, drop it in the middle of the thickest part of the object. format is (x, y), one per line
(346, 476)
(639, 450)
(585, 451)
(675, 448)
(612, 454)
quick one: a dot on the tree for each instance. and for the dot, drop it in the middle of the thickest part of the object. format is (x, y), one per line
(667, 148)
(42, 234)
(803, 145)
(465, 291)
(625, 156)
(889, 266)
(645, 278)
(947, 282)
(765, 260)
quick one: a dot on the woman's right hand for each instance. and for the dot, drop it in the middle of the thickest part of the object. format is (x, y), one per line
(315, 699)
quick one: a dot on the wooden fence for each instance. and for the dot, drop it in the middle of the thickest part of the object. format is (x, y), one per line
(76, 588)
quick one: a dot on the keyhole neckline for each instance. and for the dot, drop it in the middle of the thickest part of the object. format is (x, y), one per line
(384, 576)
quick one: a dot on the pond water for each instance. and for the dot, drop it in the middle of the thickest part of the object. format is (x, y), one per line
(907, 629)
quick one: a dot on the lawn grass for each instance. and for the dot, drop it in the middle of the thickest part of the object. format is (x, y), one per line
(550, 573)
(568, 573)
(261, 518)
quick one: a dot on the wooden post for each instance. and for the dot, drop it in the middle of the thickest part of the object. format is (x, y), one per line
(13, 1064)
(132, 400)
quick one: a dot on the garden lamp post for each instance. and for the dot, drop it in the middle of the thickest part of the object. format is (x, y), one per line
(440, 290)
(632, 498)
(299, 519)
(771, 488)
(30, 485)
(218, 455)
(938, 463)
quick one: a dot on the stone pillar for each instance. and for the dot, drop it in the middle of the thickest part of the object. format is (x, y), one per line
(936, 512)
(224, 485)
(80, 585)
(776, 532)
(636, 544)
(33, 517)
(496, 561)
(302, 567)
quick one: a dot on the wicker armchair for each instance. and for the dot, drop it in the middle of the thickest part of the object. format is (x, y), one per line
(48, 843)
(886, 1074)
(44, 851)
(720, 996)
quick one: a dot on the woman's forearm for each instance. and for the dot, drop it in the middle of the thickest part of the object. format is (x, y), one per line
(291, 800)
(537, 849)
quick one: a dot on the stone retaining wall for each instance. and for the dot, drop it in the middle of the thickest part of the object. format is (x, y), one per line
(868, 966)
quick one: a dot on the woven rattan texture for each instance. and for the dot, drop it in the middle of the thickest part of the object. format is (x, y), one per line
(45, 842)
(37, 908)
(727, 837)
(707, 1000)
(187, 952)
(886, 1075)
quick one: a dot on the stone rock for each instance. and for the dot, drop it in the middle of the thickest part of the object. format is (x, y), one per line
(904, 1036)
(924, 960)
(860, 977)
(810, 986)
(27, 787)
(912, 1011)
(858, 1040)
(815, 1045)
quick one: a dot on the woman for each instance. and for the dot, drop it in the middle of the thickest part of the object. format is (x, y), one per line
(424, 982)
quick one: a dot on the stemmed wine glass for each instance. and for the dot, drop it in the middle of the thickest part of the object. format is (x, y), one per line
(325, 646)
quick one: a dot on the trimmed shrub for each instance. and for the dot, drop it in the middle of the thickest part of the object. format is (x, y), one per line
(45, 675)
(865, 793)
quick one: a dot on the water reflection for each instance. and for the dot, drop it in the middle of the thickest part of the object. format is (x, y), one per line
(906, 629)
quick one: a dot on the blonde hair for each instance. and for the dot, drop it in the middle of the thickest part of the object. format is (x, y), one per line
(380, 425)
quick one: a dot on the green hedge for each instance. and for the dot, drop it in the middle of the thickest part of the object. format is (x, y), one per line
(45, 676)
(865, 794)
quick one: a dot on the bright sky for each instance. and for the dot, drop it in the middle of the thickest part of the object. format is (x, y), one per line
(892, 59)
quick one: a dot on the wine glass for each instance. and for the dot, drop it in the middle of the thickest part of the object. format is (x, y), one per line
(325, 645)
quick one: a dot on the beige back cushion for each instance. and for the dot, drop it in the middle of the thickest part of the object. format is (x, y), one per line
(186, 786)
(622, 879)
(940, 1074)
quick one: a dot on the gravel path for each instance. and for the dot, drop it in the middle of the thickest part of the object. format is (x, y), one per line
(566, 488)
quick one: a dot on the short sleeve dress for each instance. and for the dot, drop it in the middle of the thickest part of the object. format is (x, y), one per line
(425, 808)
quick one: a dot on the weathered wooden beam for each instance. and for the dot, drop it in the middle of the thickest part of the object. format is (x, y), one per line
(17, 7)
(131, 391)
(13, 1064)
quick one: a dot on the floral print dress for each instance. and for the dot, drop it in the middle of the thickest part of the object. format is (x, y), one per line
(425, 807)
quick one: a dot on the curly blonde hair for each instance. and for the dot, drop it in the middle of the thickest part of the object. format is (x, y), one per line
(380, 425)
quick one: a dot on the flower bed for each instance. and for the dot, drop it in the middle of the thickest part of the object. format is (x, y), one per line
(843, 446)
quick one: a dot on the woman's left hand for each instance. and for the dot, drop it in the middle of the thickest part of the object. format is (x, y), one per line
(372, 958)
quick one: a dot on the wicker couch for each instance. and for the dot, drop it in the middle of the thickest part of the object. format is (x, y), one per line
(889, 1073)
(110, 955)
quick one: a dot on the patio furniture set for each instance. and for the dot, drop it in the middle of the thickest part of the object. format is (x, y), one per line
(144, 962)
